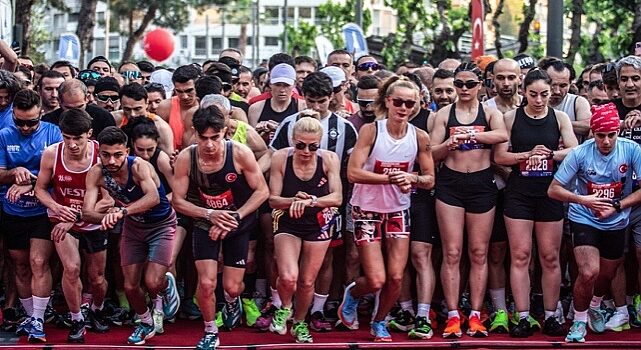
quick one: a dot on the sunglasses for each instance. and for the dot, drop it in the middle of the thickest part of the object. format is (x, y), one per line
(107, 98)
(88, 75)
(312, 147)
(29, 123)
(596, 83)
(364, 103)
(397, 102)
(470, 84)
(131, 74)
(368, 65)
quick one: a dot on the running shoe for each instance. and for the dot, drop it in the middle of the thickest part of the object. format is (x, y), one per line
(189, 310)
(158, 318)
(534, 324)
(453, 327)
(403, 322)
(77, 332)
(24, 328)
(331, 311)
(279, 322)
(347, 311)
(250, 308)
(171, 299)
(97, 321)
(301, 333)
(232, 313)
(422, 329)
(577, 333)
(634, 319)
(266, 317)
(209, 341)
(522, 329)
(219, 319)
(318, 323)
(500, 322)
(553, 327)
(618, 322)
(11, 319)
(141, 333)
(37, 332)
(380, 332)
(596, 320)
(475, 327)
(50, 313)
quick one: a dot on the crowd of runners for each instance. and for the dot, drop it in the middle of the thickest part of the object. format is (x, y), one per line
(493, 196)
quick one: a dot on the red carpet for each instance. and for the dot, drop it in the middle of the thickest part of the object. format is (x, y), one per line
(185, 334)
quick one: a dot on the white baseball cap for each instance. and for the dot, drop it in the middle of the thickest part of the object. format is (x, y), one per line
(283, 73)
(336, 74)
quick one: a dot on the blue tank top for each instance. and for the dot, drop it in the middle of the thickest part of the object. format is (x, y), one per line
(132, 192)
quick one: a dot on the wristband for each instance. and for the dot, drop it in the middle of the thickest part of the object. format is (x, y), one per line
(617, 205)
(208, 214)
(314, 201)
(551, 155)
(236, 216)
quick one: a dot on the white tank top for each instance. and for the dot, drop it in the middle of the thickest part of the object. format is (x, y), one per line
(388, 154)
(567, 106)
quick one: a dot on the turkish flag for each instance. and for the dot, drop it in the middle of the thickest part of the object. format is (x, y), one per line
(477, 29)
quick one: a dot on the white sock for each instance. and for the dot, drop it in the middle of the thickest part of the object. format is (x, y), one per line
(595, 303)
(158, 303)
(27, 304)
(609, 304)
(523, 314)
(452, 314)
(276, 298)
(423, 310)
(77, 316)
(581, 316)
(146, 317)
(476, 313)
(39, 307)
(86, 298)
(95, 307)
(210, 327)
(549, 314)
(498, 299)
(622, 310)
(407, 305)
(318, 304)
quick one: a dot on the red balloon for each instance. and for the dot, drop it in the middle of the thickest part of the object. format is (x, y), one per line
(159, 44)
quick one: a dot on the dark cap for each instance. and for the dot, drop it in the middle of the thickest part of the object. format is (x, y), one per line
(107, 84)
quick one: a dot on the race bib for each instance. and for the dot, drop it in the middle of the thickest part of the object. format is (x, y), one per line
(28, 200)
(222, 201)
(326, 220)
(466, 129)
(544, 168)
(611, 190)
(385, 168)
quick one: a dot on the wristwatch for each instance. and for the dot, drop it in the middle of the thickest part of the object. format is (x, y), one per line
(124, 211)
(236, 216)
(209, 214)
(617, 205)
(314, 201)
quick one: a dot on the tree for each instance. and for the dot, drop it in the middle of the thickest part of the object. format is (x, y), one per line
(335, 16)
(529, 11)
(497, 27)
(300, 39)
(139, 14)
(240, 11)
(84, 31)
(454, 23)
(412, 17)
(25, 15)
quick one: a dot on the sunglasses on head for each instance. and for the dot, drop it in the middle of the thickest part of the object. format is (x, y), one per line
(132, 74)
(397, 102)
(312, 147)
(29, 123)
(364, 103)
(470, 84)
(107, 98)
(86, 75)
(368, 65)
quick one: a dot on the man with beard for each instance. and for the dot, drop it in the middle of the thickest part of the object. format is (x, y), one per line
(443, 92)
(366, 94)
(244, 84)
(576, 107)
(506, 80)
(106, 94)
(48, 90)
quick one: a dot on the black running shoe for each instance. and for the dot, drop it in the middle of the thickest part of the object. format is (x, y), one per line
(97, 320)
(552, 327)
(77, 332)
(522, 329)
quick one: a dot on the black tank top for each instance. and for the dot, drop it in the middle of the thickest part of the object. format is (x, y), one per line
(420, 121)
(154, 161)
(225, 189)
(269, 114)
(318, 186)
(525, 135)
(479, 124)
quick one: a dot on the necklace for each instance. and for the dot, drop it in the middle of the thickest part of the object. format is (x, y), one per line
(534, 115)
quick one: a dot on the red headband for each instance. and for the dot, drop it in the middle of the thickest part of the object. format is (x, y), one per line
(605, 118)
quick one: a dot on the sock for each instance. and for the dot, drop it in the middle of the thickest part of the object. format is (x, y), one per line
(609, 304)
(261, 287)
(498, 299)
(622, 310)
(39, 307)
(523, 314)
(276, 298)
(146, 317)
(581, 316)
(452, 314)
(229, 298)
(210, 327)
(95, 307)
(629, 299)
(476, 313)
(595, 303)
(27, 304)
(158, 303)
(86, 298)
(423, 310)
(77, 316)
(407, 306)
(549, 314)
(318, 303)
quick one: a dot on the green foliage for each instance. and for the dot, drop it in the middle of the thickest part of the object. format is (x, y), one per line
(535, 50)
(333, 16)
(300, 39)
(38, 35)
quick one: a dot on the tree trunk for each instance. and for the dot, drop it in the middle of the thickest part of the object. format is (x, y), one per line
(23, 16)
(85, 27)
(524, 30)
(440, 42)
(135, 36)
(242, 39)
(575, 27)
(497, 27)
(594, 53)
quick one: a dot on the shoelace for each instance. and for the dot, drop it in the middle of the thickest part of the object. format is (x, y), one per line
(301, 330)
(281, 315)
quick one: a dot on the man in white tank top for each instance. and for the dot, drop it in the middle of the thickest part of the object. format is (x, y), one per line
(507, 80)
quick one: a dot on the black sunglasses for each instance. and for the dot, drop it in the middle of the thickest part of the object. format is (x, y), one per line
(368, 65)
(313, 147)
(596, 83)
(470, 84)
(107, 98)
(364, 103)
(29, 123)
(397, 102)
